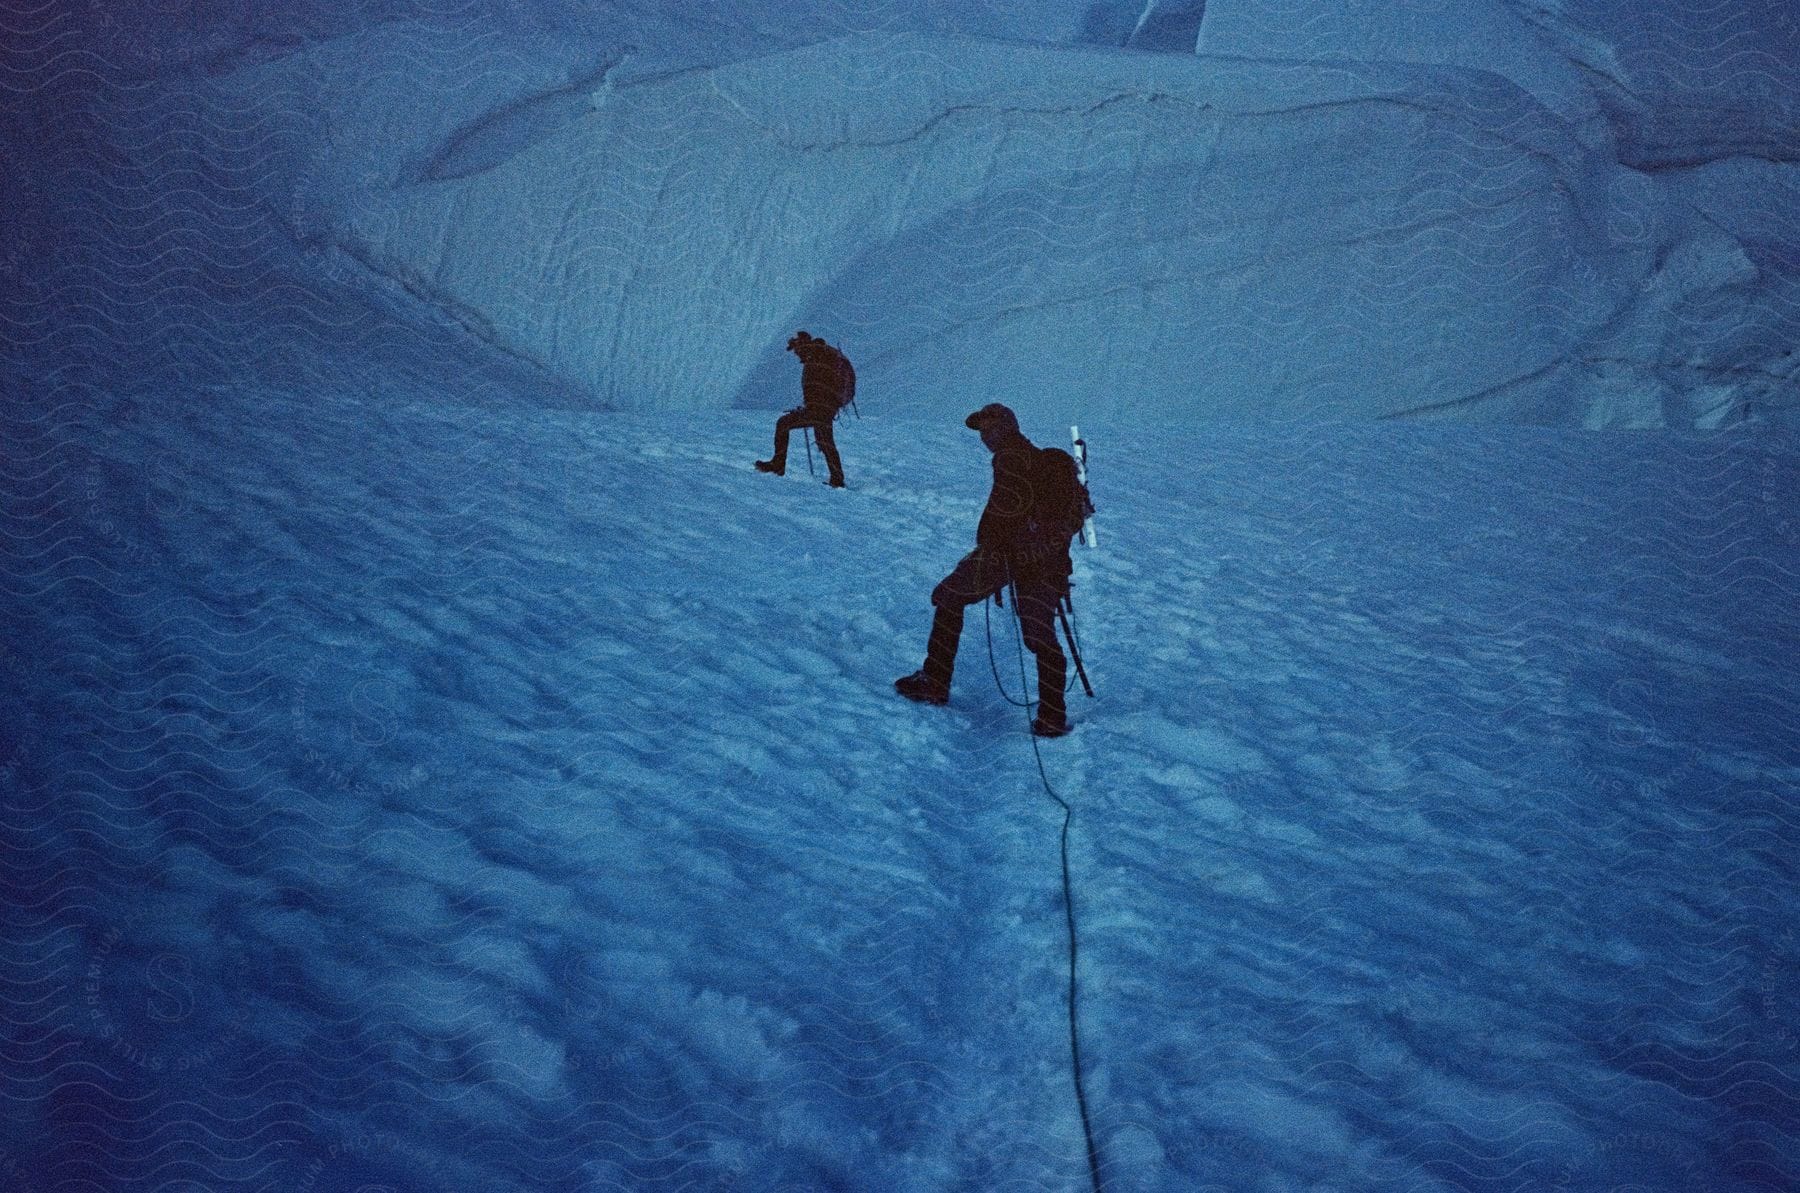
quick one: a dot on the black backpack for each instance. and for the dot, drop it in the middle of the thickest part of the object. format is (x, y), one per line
(845, 375)
(1060, 503)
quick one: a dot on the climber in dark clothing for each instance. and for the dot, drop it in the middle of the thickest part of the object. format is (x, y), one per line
(827, 383)
(1005, 551)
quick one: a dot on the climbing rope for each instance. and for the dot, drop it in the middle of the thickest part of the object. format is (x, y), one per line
(994, 665)
(1087, 1126)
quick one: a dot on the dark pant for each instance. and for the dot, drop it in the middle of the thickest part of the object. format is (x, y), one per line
(976, 578)
(820, 422)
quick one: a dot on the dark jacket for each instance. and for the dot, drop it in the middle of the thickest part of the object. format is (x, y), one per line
(1002, 525)
(824, 376)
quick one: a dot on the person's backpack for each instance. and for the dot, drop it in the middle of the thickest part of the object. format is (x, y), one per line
(846, 378)
(1060, 503)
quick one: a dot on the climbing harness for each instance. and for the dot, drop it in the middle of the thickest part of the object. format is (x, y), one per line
(1068, 633)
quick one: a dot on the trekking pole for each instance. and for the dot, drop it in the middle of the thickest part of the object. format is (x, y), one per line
(806, 436)
(1080, 671)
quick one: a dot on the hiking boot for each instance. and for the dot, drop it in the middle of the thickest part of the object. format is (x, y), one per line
(921, 687)
(836, 482)
(770, 466)
(1050, 726)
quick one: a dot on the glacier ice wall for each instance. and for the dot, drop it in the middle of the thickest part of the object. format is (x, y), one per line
(1075, 230)
(1697, 107)
(1563, 212)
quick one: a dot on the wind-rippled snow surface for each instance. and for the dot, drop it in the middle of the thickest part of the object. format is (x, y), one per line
(414, 797)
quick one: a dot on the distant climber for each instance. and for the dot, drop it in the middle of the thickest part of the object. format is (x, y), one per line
(1021, 541)
(827, 385)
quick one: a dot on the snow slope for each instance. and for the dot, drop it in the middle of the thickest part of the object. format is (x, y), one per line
(414, 795)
